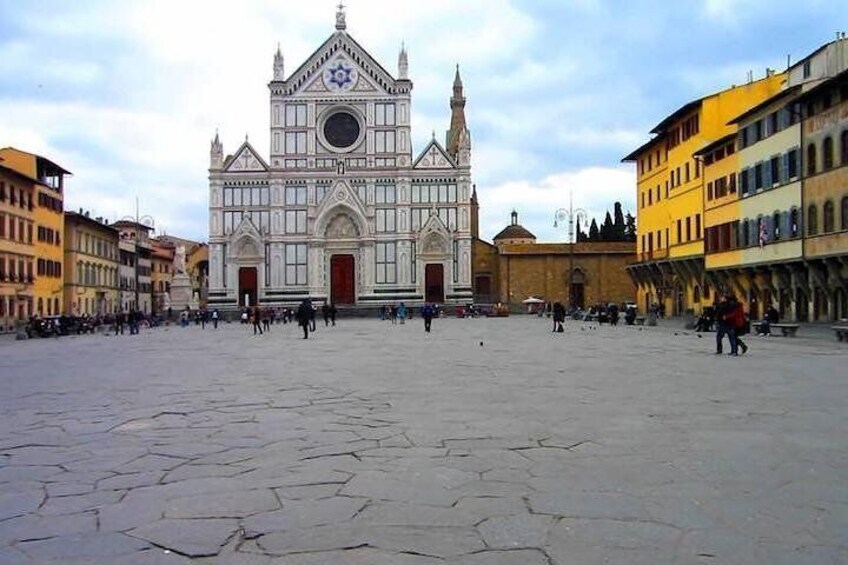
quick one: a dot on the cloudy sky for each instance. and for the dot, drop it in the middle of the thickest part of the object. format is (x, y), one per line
(127, 95)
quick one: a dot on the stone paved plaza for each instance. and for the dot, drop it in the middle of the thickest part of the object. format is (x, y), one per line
(487, 442)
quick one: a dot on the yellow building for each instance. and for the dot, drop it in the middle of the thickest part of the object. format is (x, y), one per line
(91, 266)
(17, 248)
(161, 274)
(825, 197)
(48, 217)
(670, 193)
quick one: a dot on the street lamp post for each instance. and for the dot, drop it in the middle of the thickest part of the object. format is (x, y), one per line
(147, 221)
(571, 214)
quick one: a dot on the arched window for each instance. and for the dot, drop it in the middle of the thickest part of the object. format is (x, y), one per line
(776, 226)
(828, 222)
(696, 294)
(844, 219)
(843, 147)
(827, 153)
(812, 220)
(811, 159)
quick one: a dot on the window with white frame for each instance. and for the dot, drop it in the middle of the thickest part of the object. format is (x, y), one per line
(385, 194)
(448, 217)
(425, 193)
(296, 115)
(295, 221)
(386, 220)
(296, 264)
(386, 263)
(384, 114)
(295, 195)
(295, 142)
(361, 191)
(384, 141)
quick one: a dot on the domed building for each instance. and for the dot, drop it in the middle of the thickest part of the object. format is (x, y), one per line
(514, 266)
(514, 233)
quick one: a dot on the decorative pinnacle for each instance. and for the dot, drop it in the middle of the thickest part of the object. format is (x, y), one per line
(340, 17)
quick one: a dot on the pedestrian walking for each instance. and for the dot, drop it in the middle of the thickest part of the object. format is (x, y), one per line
(305, 313)
(401, 313)
(333, 312)
(215, 318)
(257, 320)
(119, 322)
(325, 311)
(427, 312)
(558, 313)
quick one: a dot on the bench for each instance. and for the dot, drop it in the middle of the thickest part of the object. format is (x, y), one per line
(786, 329)
(841, 333)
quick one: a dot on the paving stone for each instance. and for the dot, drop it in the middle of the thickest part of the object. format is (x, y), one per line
(131, 480)
(94, 546)
(515, 532)
(612, 541)
(79, 503)
(34, 527)
(234, 504)
(195, 538)
(319, 538)
(362, 556)
(19, 503)
(436, 542)
(304, 514)
(415, 515)
(589, 505)
(513, 557)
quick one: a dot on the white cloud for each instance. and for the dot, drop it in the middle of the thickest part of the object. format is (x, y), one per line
(594, 190)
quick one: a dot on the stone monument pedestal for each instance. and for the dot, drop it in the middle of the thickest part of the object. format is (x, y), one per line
(181, 295)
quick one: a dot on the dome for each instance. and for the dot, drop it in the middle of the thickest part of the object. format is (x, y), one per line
(515, 231)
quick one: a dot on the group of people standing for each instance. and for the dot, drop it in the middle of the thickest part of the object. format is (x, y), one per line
(131, 319)
(731, 322)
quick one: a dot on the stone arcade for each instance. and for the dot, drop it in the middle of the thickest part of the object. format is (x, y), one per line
(342, 211)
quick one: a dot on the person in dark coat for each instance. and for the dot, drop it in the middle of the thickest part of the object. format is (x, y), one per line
(558, 312)
(333, 312)
(305, 313)
(257, 320)
(427, 312)
(119, 322)
(325, 311)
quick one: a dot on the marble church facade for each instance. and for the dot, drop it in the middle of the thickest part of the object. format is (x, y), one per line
(342, 210)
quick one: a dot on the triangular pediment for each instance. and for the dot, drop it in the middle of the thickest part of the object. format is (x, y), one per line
(433, 237)
(246, 231)
(342, 198)
(246, 159)
(339, 66)
(434, 156)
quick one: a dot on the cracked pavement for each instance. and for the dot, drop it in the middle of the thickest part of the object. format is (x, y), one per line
(486, 442)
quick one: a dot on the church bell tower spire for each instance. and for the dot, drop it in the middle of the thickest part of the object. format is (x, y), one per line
(459, 138)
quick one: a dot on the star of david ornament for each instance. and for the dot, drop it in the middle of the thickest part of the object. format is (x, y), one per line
(340, 76)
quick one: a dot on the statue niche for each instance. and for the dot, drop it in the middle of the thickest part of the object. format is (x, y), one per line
(342, 227)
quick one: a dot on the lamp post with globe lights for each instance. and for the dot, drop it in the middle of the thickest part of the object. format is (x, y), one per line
(570, 215)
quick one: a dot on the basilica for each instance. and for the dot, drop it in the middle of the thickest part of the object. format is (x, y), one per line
(342, 210)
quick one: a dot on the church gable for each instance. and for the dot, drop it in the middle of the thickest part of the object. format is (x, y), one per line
(246, 160)
(434, 157)
(340, 65)
(341, 197)
(246, 232)
(434, 237)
